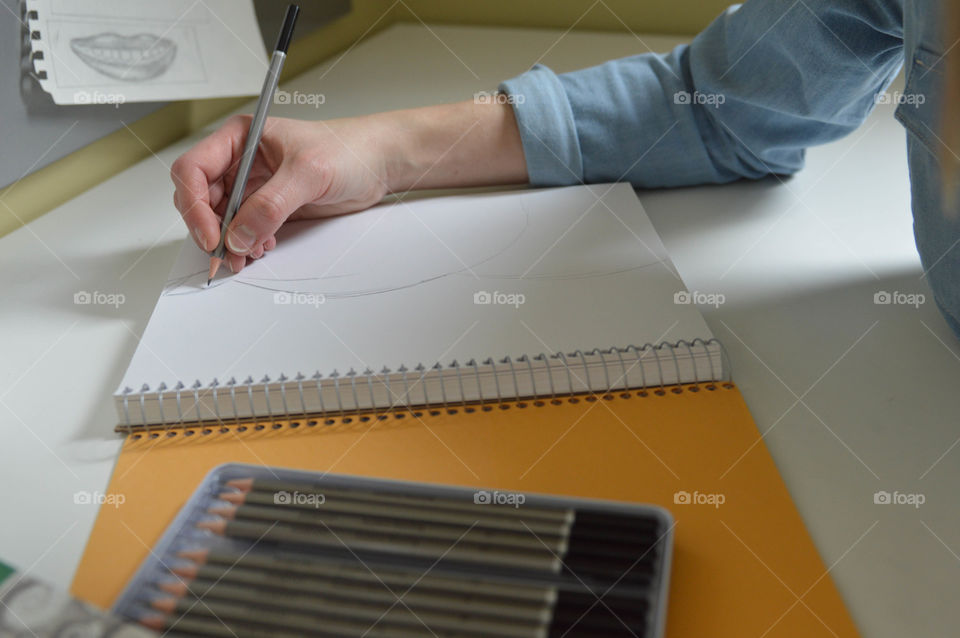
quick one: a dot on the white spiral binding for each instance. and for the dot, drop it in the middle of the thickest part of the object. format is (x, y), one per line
(574, 369)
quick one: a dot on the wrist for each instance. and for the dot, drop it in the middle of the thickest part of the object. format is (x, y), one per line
(449, 146)
(403, 139)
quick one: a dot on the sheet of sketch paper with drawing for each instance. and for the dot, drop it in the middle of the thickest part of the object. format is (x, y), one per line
(115, 51)
(482, 284)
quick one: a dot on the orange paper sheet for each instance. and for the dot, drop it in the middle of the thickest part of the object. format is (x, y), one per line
(743, 568)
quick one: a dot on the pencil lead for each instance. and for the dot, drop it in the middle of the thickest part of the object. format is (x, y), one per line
(196, 555)
(184, 571)
(167, 604)
(237, 498)
(224, 511)
(154, 621)
(178, 589)
(208, 282)
(241, 484)
(217, 527)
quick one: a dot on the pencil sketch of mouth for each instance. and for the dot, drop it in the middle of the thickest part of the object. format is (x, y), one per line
(133, 58)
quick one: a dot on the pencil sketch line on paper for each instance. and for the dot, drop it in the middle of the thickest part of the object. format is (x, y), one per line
(513, 241)
(134, 58)
(347, 294)
(296, 285)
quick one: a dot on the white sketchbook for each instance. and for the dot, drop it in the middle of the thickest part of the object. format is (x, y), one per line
(438, 299)
(117, 51)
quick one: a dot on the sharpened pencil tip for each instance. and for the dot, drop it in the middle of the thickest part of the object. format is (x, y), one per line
(214, 267)
(184, 571)
(245, 484)
(237, 498)
(166, 604)
(154, 621)
(196, 555)
(178, 589)
(217, 527)
(224, 511)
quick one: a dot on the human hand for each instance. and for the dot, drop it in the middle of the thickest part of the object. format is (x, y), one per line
(303, 169)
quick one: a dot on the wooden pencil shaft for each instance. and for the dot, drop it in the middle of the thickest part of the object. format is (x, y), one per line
(195, 625)
(377, 594)
(468, 505)
(620, 610)
(314, 626)
(397, 612)
(391, 544)
(478, 517)
(612, 618)
(464, 534)
(629, 533)
(516, 584)
(422, 578)
(600, 550)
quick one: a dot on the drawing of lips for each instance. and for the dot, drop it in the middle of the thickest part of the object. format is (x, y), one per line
(133, 58)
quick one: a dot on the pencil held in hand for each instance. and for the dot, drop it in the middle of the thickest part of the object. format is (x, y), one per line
(254, 135)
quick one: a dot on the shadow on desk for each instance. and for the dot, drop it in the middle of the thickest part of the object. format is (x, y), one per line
(133, 280)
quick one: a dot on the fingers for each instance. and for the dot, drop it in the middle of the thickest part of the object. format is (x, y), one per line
(235, 262)
(265, 210)
(196, 173)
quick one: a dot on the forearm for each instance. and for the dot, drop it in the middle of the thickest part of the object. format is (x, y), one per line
(451, 145)
(757, 87)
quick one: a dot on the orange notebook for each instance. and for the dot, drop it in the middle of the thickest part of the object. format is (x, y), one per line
(226, 374)
(744, 565)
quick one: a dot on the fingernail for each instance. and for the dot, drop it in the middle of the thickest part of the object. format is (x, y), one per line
(240, 240)
(200, 238)
(230, 266)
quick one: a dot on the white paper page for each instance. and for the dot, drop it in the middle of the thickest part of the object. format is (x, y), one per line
(434, 279)
(117, 51)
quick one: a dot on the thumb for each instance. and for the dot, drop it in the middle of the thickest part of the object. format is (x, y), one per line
(265, 210)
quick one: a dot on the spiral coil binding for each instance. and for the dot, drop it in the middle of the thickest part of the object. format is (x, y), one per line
(676, 365)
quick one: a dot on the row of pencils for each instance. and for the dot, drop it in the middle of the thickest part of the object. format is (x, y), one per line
(278, 558)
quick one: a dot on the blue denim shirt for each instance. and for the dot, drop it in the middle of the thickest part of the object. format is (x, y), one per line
(763, 82)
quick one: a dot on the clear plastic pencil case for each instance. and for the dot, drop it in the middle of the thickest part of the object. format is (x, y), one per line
(260, 551)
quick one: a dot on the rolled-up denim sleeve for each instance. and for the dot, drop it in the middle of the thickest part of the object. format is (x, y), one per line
(762, 83)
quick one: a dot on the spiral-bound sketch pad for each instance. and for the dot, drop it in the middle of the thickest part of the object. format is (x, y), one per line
(117, 51)
(430, 301)
(539, 393)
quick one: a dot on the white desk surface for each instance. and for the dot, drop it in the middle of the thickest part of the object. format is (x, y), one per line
(854, 397)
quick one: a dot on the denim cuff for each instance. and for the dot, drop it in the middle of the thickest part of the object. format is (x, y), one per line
(547, 128)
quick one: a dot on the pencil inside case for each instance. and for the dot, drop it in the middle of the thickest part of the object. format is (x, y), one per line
(261, 551)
